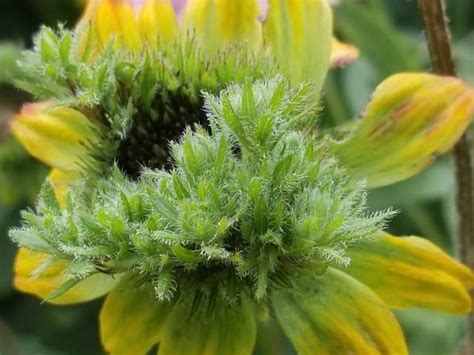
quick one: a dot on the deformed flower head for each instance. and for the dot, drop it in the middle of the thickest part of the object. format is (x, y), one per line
(241, 198)
(134, 70)
(253, 215)
(119, 106)
(254, 211)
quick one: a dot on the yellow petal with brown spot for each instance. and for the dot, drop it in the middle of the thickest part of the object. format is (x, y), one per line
(219, 23)
(336, 314)
(299, 32)
(131, 319)
(42, 285)
(59, 137)
(412, 272)
(412, 118)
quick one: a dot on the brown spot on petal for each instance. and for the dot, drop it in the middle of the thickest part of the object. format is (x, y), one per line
(396, 115)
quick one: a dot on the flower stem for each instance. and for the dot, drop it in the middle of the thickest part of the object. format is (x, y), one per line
(434, 17)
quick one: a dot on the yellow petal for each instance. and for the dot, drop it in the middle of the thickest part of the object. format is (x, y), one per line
(26, 264)
(342, 54)
(412, 272)
(157, 22)
(57, 137)
(218, 23)
(89, 43)
(116, 19)
(105, 21)
(411, 119)
(336, 314)
(90, 11)
(62, 181)
(299, 32)
(131, 319)
(225, 331)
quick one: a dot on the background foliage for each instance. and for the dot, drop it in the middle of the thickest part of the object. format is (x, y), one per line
(389, 35)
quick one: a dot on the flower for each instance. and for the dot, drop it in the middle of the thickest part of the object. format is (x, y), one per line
(286, 28)
(188, 256)
(259, 212)
(160, 27)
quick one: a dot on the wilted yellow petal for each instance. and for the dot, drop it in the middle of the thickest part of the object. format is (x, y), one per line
(218, 23)
(62, 181)
(411, 119)
(411, 272)
(342, 54)
(300, 34)
(157, 22)
(336, 314)
(228, 330)
(57, 137)
(131, 319)
(26, 264)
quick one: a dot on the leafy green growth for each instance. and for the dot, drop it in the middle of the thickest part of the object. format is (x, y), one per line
(9, 53)
(146, 98)
(242, 208)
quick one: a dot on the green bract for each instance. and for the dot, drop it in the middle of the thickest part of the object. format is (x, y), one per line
(243, 207)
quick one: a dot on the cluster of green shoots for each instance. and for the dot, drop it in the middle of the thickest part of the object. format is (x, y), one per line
(244, 204)
(143, 98)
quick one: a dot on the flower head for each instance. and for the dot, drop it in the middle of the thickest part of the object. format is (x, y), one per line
(198, 233)
(252, 215)
(138, 68)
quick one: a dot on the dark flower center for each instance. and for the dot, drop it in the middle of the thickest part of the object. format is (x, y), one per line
(147, 144)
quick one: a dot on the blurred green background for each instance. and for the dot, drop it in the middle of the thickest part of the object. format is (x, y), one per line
(390, 38)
